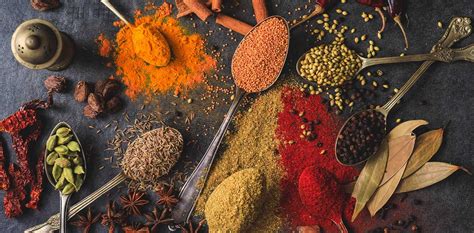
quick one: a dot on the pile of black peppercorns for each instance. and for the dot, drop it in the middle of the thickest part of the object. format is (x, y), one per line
(360, 137)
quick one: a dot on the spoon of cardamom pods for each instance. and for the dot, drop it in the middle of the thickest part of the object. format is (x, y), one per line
(65, 166)
(331, 65)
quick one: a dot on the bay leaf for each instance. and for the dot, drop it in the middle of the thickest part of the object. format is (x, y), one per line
(426, 146)
(369, 178)
(385, 192)
(430, 173)
(400, 150)
(405, 128)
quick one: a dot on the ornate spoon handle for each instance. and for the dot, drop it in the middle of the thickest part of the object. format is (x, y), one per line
(53, 222)
(459, 28)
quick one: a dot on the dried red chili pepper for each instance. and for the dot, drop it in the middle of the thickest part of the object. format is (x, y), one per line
(4, 180)
(377, 5)
(21, 175)
(37, 186)
(396, 9)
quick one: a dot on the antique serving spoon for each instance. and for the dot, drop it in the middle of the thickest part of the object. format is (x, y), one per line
(438, 55)
(458, 28)
(191, 190)
(64, 197)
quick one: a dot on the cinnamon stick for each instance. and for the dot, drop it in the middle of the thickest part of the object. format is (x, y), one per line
(198, 8)
(184, 10)
(260, 10)
(233, 24)
(216, 6)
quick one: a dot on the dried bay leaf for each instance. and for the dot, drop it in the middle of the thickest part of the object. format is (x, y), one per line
(369, 178)
(385, 192)
(400, 151)
(426, 146)
(405, 128)
(430, 173)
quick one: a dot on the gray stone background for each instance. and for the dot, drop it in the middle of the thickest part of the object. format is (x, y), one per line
(447, 89)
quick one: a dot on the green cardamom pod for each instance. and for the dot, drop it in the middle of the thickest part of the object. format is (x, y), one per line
(60, 183)
(51, 142)
(56, 171)
(63, 131)
(68, 189)
(62, 150)
(51, 158)
(79, 182)
(64, 140)
(74, 146)
(77, 160)
(63, 162)
(79, 170)
(67, 173)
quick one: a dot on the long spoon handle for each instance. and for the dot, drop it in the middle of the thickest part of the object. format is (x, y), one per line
(398, 59)
(53, 222)
(64, 211)
(195, 183)
(115, 11)
(459, 28)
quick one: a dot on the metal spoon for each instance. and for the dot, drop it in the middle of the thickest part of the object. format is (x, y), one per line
(440, 55)
(459, 28)
(64, 199)
(191, 190)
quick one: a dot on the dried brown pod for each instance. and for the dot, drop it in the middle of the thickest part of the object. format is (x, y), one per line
(99, 86)
(89, 112)
(44, 5)
(81, 92)
(111, 89)
(95, 102)
(55, 83)
(114, 105)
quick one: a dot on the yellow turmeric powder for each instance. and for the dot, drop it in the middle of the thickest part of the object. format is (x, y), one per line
(150, 45)
(188, 67)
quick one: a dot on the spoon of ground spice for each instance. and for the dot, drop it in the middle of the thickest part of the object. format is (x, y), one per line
(334, 64)
(361, 135)
(148, 42)
(256, 65)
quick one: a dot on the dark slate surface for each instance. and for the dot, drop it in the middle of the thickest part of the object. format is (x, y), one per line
(447, 88)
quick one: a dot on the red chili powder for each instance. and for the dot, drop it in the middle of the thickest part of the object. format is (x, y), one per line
(319, 182)
(298, 153)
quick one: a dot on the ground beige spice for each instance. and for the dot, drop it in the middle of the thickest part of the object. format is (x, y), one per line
(236, 203)
(253, 145)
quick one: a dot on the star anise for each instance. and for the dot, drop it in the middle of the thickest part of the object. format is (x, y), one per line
(190, 228)
(113, 217)
(133, 201)
(167, 198)
(154, 219)
(136, 228)
(86, 221)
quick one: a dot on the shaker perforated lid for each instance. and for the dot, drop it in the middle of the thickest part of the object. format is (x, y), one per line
(37, 44)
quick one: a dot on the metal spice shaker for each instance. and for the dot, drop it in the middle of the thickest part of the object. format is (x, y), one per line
(38, 44)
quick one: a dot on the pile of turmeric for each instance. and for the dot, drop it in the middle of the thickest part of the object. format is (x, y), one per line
(150, 45)
(146, 72)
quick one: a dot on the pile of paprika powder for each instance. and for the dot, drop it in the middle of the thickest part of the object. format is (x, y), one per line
(308, 115)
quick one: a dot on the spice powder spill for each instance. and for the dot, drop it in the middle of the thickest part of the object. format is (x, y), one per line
(261, 55)
(187, 68)
(307, 133)
(253, 145)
